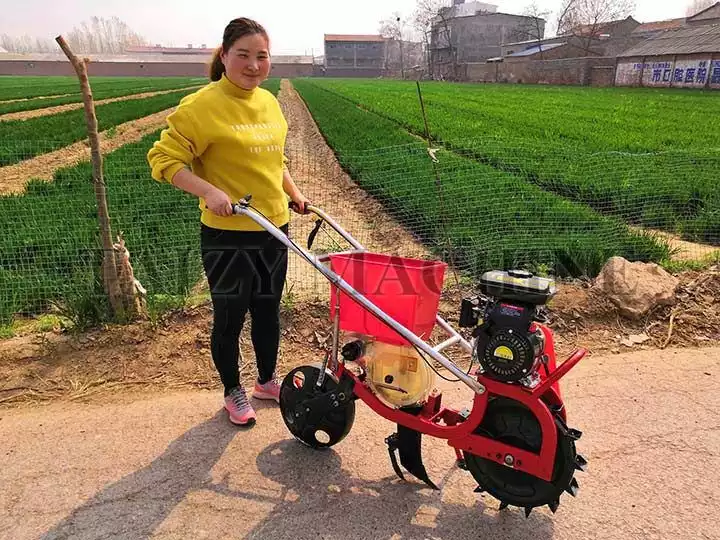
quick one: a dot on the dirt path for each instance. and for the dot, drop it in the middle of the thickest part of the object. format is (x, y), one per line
(320, 176)
(14, 177)
(3, 101)
(48, 111)
(169, 465)
(685, 251)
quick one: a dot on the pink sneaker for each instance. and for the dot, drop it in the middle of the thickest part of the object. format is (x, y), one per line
(269, 390)
(239, 408)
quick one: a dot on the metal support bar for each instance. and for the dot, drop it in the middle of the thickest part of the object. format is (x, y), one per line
(447, 343)
(464, 343)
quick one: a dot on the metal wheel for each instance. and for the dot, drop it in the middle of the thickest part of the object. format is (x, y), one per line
(510, 422)
(331, 425)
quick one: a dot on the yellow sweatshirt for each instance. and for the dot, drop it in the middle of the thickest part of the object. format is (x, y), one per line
(234, 139)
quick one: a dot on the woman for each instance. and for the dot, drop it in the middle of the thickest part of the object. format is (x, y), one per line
(222, 143)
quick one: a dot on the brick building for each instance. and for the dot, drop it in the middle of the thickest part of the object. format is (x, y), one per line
(352, 55)
(475, 32)
(688, 57)
(602, 39)
(152, 62)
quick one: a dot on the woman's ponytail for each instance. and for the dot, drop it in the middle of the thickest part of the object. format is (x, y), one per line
(217, 68)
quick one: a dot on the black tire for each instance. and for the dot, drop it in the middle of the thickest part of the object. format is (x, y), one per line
(508, 421)
(333, 427)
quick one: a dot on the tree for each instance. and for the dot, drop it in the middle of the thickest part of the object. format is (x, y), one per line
(585, 19)
(392, 29)
(103, 36)
(696, 6)
(98, 36)
(432, 20)
(534, 27)
(25, 44)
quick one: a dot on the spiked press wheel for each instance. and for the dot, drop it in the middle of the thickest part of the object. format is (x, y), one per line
(510, 422)
(298, 388)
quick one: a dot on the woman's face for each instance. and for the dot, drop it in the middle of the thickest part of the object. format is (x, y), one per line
(247, 62)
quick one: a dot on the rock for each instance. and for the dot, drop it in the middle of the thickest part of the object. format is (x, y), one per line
(635, 288)
(635, 339)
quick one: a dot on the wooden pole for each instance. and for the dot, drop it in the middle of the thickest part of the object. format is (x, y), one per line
(110, 276)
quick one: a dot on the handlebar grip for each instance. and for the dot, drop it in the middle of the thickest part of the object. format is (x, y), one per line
(294, 206)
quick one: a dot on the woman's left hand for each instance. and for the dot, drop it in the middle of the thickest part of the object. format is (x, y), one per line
(299, 203)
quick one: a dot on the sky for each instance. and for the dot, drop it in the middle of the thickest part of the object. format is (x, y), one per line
(295, 26)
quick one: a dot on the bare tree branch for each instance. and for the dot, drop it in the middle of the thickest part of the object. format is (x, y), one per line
(25, 44)
(433, 20)
(394, 29)
(534, 26)
(98, 36)
(586, 19)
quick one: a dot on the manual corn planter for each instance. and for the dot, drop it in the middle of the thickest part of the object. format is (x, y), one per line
(514, 439)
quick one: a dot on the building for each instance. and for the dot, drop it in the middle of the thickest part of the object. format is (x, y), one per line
(687, 57)
(151, 62)
(710, 15)
(475, 32)
(618, 28)
(652, 29)
(608, 39)
(602, 39)
(203, 50)
(707, 16)
(518, 47)
(404, 58)
(350, 55)
(549, 51)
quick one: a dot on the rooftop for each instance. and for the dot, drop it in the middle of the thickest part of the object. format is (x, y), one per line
(536, 49)
(157, 49)
(659, 26)
(704, 13)
(354, 37)
(599, 27)
(690, 40)
(555, 39)
(143, 58)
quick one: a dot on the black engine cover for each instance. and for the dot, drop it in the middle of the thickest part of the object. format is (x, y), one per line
(505, 347)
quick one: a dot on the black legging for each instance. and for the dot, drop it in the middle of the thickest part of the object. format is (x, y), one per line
(245, 270)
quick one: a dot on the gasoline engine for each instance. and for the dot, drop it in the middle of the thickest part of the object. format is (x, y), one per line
(507, 344)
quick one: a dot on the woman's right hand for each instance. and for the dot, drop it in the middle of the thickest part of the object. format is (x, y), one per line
(218, 202)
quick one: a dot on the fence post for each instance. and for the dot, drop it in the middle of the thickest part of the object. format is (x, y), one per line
(110, 274)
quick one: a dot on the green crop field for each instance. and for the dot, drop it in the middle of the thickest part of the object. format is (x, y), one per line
(23, 139)
(544, 178)
(103, 89)
(50, 250)
(649, 156)
(29, 87)
(46, 259)
(492, 217)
